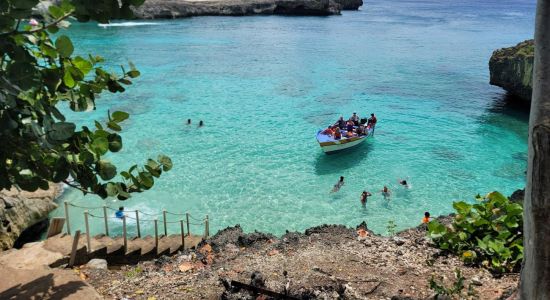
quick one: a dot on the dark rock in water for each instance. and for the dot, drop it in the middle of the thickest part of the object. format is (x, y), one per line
(350, 4)
(169, 9)
(518, 196)
(512, 69)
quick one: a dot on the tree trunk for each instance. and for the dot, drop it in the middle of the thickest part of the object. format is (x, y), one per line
(535, 275)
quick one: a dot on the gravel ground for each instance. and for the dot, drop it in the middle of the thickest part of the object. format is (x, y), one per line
(325, 262)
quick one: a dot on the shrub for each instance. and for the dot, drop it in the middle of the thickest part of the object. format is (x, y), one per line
(487, 233)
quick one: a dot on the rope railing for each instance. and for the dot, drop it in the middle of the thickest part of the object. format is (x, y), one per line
(163, 220)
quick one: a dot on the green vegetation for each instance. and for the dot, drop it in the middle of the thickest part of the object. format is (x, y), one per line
(133, 272)
(391, 228)
(487, 233)
(455, 291)
(38, 73)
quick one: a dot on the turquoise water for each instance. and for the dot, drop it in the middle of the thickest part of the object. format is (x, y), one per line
(263, 86)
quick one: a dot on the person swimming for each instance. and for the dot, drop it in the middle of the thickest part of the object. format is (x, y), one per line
(404, 183)
(338, 185)
(364, 197)
(188, 121)
(386, 193)
(201, 123)
(426, 218)
(120, 213)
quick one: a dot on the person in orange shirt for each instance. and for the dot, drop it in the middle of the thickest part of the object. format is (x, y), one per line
(426, 218)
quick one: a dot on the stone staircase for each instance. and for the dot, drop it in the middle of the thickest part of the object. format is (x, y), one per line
(112, 249)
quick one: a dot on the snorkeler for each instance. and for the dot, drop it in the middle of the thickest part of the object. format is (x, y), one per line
(338, 185)
(404, 183)
(386, 193)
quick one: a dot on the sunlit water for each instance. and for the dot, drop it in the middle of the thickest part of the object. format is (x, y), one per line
(263, 86)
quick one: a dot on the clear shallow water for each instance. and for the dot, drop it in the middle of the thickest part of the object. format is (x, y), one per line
(264, 85)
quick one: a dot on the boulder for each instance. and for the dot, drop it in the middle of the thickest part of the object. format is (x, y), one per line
(97, 264)
(20, 210)
(512, 69)
(170, 9)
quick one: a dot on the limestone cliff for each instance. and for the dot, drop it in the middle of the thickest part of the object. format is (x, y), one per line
(512, 69)
(350, 4)
(20, 210)
(155, 9)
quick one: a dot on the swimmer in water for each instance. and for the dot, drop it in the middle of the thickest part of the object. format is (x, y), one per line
(364, 197)
(386, 193)
(201, 123)
(188, 121)
(338, 185)
(404, 183)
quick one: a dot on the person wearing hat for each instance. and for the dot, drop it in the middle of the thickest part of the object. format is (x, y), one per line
(355, 119)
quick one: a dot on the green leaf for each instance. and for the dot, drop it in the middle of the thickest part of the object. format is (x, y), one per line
(115, 142)
(165, 161)
(106, 169)
(24, 4)
(133, 73)
(62, 131)
(55, 11)
(119, 116)
(100, 145)
(64, 46)
(146, 180)
(82, 64)
(462, 207)
(114, 126)
(68, 79)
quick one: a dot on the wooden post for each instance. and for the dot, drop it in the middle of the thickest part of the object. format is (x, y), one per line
(88, 242)
(106, 222)
(124, 234)
(164, 221)
(56, 227)
(73, 249)
(67, 217)
(156, 235)
(187, 219)
(182, 235)
(206, 227)
(137, 224)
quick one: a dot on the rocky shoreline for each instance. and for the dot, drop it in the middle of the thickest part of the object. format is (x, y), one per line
(512, 69)
(170, 9)
(20, 210)
(324, 262)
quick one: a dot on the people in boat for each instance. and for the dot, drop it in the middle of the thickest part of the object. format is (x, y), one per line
(337, 133)
(349, 125)
(350, 134)
(364, 197)
(404, 183)
(341, 123)
(328, 131)
(120, 213)
(426, 218)
(338, 185)
(360, 130)
(386, 193)
(355, 119)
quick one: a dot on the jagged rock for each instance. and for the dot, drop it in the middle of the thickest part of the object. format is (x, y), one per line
(168, 9)
(20, 210)
(512, 69)
(350, 4)
(97, 264)
(518, 196)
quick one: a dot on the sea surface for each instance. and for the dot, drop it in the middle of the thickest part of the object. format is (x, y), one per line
(264, 85)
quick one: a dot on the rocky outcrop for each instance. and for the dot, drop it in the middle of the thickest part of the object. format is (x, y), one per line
(350, 4)
(159, 9)
(512, 69)
(20, 210)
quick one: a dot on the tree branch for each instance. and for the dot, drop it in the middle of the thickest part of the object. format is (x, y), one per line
(77, 187)
(15, 31)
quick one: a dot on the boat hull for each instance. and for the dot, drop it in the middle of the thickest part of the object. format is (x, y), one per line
(332, 147)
